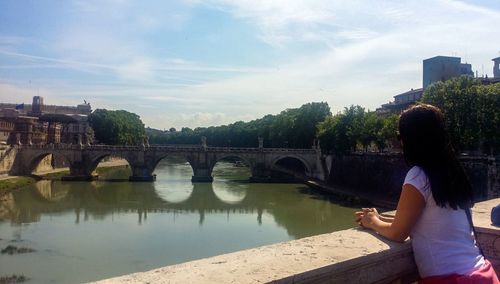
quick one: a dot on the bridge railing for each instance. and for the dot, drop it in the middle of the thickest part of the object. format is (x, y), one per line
(173, 148)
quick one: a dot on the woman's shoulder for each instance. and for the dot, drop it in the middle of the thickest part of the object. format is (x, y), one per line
(417, 177)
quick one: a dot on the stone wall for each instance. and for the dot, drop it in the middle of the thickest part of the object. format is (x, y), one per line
(373, 175)
(7, 156)
(381, 175)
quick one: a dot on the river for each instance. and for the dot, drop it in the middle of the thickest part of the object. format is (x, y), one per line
(84, 231)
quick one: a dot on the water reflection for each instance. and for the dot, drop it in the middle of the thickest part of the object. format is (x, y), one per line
(297, 214)
(230, 193)
(88, 224)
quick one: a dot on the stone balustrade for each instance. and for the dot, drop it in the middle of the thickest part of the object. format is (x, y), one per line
(179, 148)
(349, 256)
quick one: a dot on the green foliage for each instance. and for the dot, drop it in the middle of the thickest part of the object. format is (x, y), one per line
(472, 112)
(118, 127)
(295, 128)
(343, 132)
(9, 184)
(386, 136)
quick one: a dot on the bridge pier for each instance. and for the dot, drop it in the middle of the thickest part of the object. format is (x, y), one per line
(78, 171)
(202, 175)
(260, 173)
(141, 172)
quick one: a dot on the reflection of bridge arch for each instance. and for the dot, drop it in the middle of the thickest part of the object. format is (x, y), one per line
(45, 191)
(229, 193)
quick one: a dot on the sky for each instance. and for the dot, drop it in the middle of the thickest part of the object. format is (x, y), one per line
(199, 63)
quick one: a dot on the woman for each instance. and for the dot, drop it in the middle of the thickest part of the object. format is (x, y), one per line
(432, 208)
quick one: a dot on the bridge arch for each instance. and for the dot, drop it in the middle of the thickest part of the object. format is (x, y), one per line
(297, 160)
(226, 157)
(57, 160)
(176, 157)
(95, 160)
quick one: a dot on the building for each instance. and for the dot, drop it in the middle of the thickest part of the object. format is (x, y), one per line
(496, 67)
(77, 131)
(6, 127)
(435, 69)
(37, 107)
(54, 133)
(442, 68)
(401, 101)
(21, 128)
(41, 124)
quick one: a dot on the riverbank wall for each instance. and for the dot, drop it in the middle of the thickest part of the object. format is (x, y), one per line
(7, 157)
(381, 175)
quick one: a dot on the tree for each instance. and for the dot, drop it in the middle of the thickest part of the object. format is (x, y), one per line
(341, 133)
(372, 125)
(386, 136)
(471, 110)
(118, 127)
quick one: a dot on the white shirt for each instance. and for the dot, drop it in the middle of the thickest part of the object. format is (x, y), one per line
(442, 239)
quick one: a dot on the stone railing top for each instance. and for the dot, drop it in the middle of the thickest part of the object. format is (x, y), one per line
(291, 260)
(349, 256)
(481, 215)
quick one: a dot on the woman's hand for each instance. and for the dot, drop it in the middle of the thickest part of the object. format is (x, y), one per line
(359, 215)
(368, 219)
(410, 206)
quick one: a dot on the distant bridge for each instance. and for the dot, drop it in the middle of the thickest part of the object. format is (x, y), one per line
(83, 159)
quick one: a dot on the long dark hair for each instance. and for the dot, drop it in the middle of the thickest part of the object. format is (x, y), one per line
(426, 144)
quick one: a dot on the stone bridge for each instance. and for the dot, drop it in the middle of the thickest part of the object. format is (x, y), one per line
(83, 159)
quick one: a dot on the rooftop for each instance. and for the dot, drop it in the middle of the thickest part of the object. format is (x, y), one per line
(412, 91)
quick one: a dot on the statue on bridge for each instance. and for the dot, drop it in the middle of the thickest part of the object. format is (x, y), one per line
(204, 142)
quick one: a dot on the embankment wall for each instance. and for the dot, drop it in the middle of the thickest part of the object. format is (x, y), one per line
(381, 175)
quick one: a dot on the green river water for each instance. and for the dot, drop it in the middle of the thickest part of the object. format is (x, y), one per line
(85, 231)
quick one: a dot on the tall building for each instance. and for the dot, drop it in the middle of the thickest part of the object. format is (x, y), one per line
(37, 107)
(442, 68)
(496, 67)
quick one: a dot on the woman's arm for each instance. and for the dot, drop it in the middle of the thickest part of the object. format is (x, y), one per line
(410, 206)
(386, 219)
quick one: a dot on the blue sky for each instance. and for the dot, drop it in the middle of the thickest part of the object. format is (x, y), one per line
(200, 63)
